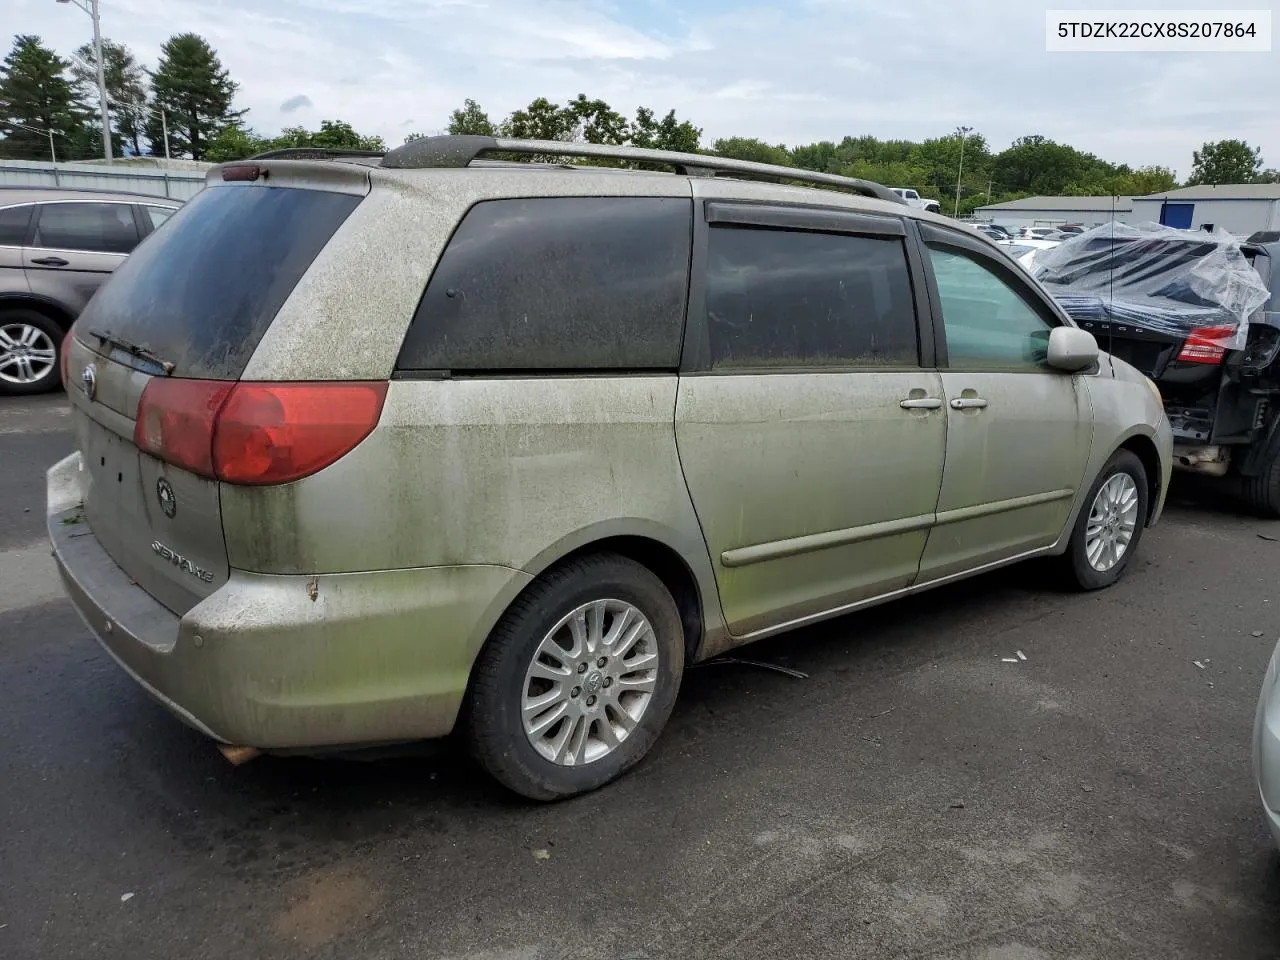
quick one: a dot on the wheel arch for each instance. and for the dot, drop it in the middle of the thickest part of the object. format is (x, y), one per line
(1144, 448)
(55, 311)
(679, 561)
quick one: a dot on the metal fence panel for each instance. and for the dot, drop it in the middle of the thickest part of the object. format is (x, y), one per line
(178, 180)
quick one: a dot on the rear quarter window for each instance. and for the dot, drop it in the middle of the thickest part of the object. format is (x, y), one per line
(557, 284)
(202, 292)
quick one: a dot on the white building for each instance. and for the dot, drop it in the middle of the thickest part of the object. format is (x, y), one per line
(1055, 211)
(1239, 208)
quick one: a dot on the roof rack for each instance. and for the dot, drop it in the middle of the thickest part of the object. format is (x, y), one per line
(315, 153)
(459, 151)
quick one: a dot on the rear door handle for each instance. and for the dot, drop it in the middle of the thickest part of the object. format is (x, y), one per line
(921, 403)
(50, 261)
(967, 403)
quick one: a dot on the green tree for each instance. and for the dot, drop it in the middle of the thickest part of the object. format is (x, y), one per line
(37, 97)
(1270, 175)
(823, 157)
(196, 91)
(597, 122)
(333, 134)
(1143, 181)
(235, 142)
(1037, 165)
(541, 120)
(469, 119)
(669, 133)
(126, 83)
(749, 148)
(1225, 161)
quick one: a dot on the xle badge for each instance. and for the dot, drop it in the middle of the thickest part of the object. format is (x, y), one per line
(168, 502)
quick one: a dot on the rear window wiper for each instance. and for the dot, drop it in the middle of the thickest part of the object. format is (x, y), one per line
(142, 353)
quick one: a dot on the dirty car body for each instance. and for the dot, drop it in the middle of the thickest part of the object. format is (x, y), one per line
(418, 443)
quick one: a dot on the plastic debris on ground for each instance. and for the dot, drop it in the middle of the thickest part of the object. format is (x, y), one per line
(1157, 278)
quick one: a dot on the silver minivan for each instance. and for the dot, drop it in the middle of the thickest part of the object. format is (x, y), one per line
(429, 442)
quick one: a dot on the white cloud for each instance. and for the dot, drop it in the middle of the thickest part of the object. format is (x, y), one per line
(812, 69)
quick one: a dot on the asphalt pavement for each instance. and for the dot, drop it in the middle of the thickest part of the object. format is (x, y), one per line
(916, 796)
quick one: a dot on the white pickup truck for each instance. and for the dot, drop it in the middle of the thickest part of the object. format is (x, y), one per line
(915, 200)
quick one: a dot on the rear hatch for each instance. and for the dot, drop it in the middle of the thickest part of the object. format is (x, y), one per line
(184, 313)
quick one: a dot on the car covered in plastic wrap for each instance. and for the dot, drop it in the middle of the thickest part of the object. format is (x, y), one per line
(1196, 312)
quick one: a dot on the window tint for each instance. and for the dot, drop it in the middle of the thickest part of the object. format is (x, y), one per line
(202, 292)
(159, 215)
(580, 283)
(95, 227)
(988, 323)
(13, 225)
(792, 298)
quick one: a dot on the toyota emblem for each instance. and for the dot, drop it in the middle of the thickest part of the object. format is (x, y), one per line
(168, 502)
(89, 377)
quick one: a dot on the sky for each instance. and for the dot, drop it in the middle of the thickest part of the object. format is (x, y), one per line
(787, 72)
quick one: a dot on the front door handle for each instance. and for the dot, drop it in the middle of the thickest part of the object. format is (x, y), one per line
(921, 403)
(968, 403)
(50, 261)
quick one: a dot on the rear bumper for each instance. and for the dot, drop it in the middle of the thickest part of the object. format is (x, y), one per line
(289, 662)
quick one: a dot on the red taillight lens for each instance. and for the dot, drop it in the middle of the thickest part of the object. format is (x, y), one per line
(1206, 344)
(278, 432)
(255, 433)
(176, 418)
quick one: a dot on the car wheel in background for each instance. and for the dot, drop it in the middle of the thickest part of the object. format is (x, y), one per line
(578, 679)
(1109, 525)
(29, 344)
(1262, 492)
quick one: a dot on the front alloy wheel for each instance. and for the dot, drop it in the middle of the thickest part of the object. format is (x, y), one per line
(1113, 518)
(1107, 530)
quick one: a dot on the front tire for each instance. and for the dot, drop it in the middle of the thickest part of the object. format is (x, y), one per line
(1109, 525)
(578, 679)
(29, 345)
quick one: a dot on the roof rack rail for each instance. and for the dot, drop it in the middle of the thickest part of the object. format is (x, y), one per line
(459, 151)
(315, 153)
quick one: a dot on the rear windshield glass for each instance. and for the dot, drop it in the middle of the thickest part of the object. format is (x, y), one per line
(201, 292)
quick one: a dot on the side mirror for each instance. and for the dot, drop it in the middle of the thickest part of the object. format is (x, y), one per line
(1072, 349)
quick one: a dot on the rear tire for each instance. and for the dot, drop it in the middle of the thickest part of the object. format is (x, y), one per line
(1262, 492)
(1110, 524)
(578, 678)
(30, 352)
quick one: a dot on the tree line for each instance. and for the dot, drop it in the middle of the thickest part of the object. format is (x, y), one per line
(48, 109)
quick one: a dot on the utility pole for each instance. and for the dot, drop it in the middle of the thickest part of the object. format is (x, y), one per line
(53, 156)
(92, 10)
(964, 132)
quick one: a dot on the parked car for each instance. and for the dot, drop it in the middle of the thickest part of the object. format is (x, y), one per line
(1266, 746)
(1197, 313)
(423, 443)
(56, 249)
(913, 199)
(1041, 233)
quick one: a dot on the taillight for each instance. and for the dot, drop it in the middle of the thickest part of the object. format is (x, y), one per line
(1206, 344)
(176, 420)
(255, 433)
(277, 432)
